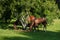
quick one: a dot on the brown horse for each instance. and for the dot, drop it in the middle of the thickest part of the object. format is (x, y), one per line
(38, 21)
(33, 22)
(30, 19)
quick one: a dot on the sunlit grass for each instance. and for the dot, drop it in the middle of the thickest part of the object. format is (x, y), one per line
(11, 33)
(55, 26)
(53, 33)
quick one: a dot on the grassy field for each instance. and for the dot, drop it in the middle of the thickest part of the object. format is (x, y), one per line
(53, 33)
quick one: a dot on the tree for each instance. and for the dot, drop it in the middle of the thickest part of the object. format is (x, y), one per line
(38, 8)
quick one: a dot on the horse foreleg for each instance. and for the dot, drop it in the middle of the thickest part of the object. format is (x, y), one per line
(15, 27)
(31, 26)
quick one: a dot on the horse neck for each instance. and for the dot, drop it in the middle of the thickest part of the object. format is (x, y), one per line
(31, 19)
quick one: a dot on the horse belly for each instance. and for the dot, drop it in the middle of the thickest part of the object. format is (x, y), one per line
(37, 21)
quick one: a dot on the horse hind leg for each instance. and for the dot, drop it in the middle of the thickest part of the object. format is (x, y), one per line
(34, 28)
(44, 28)
(37, 28)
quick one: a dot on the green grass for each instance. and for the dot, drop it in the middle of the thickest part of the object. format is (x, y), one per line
(53, 33)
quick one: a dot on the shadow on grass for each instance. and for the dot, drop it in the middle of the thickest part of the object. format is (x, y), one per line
(16, 38)
(8, 26)
(49, 35)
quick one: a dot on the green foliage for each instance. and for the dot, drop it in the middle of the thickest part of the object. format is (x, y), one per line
(38, 8)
